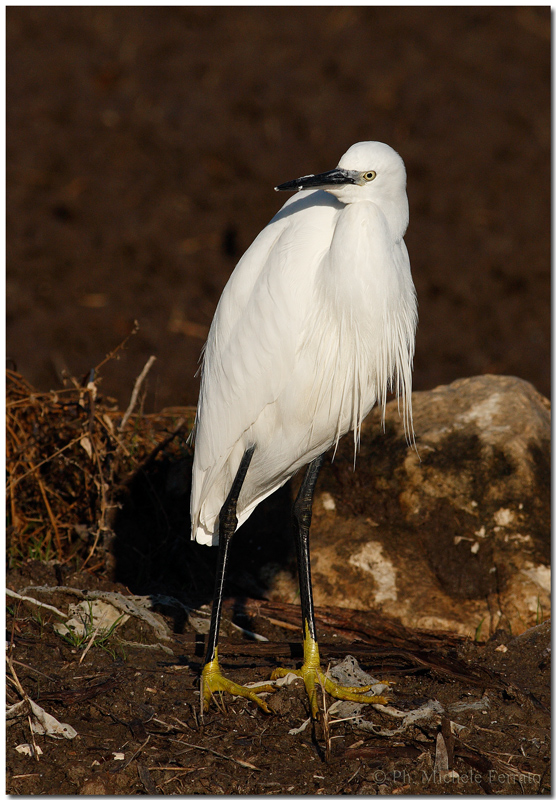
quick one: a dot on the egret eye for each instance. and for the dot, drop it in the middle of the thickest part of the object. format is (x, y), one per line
(369, 176)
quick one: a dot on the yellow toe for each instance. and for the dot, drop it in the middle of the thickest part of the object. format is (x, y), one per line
(313, 676)
(353, 693)
(213, 681)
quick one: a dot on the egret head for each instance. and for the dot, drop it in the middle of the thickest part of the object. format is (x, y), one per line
(368, 171)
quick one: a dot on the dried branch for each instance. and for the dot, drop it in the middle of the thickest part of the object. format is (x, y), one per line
(68, 465)
(113, 353)
(135, 392)
(34, 602)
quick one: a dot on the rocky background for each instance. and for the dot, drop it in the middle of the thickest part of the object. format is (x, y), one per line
(143, 145)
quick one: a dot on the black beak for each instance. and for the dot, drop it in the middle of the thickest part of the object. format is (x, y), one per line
(335, 177)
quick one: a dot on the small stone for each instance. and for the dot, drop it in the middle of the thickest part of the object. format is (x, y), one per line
(367, 788)
(93, 787)
(76, 773)
(328, 502)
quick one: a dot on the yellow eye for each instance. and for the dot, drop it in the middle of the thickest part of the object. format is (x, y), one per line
(369, 176)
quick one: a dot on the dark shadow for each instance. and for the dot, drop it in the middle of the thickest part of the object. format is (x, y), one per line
(154, 553)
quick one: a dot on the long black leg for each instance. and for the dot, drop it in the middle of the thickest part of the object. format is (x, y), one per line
(311, 670)
(302, 513)
(226, 529)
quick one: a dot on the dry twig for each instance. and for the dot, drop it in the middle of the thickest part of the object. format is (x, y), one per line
(221, 755)
(68, 464)
(135, 392)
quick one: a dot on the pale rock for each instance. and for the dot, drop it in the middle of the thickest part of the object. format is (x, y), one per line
(479, 476)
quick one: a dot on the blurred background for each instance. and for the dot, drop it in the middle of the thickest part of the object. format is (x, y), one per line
(143, 145)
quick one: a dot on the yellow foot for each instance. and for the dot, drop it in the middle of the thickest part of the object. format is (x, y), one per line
(313, 676)
(213, 681)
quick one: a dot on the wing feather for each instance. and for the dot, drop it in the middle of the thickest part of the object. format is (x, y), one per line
(251, 347)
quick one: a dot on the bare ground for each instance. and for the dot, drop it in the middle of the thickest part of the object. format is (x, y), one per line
(143, 704)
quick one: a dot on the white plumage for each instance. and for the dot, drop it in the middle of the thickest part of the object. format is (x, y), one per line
(315, 325)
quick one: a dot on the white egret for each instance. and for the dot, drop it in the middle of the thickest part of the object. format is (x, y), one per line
(315, 325)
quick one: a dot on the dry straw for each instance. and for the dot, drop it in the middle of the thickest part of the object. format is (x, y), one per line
(69, 454)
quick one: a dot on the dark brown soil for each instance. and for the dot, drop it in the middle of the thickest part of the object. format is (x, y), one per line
(143, 145)
(144, 703)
